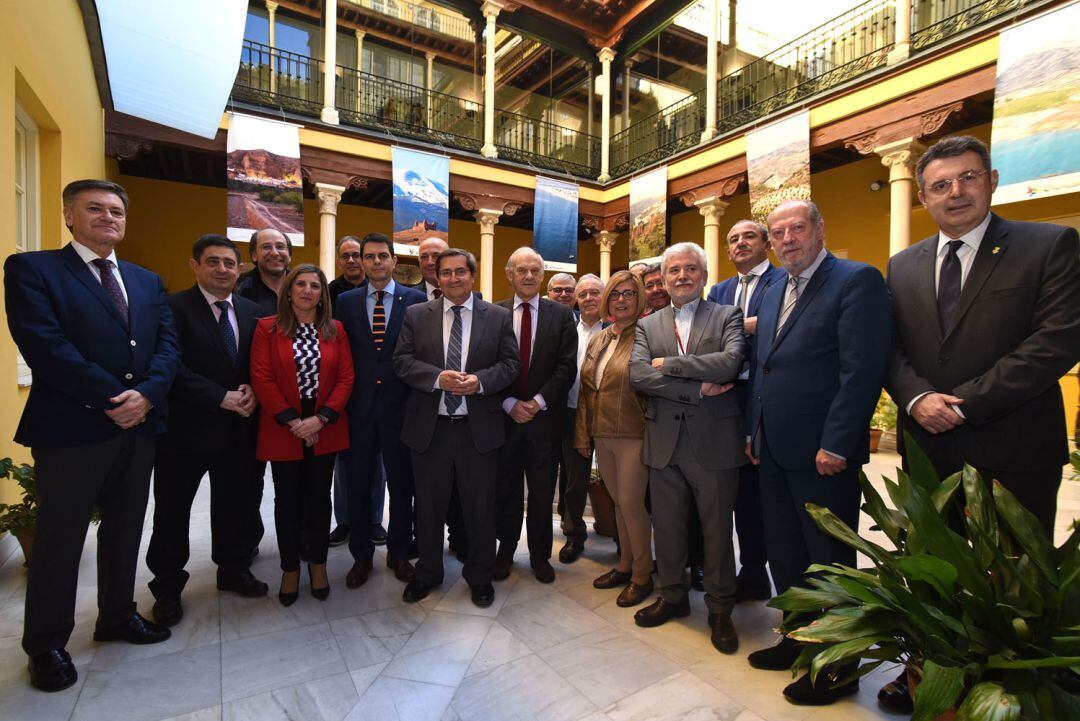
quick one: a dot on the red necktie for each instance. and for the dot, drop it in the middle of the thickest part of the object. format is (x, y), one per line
(437, 293)
(525, 347)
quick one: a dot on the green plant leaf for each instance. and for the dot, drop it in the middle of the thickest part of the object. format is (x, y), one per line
(938, 573)
(920, 469)
(807, 599)
(1032, 663)
(1027, 531)
(891, 522)
(945, 492)
(841, 625)
(842, 653)
(938, 690)
(829, 523)
(979, 503)
(987, 701)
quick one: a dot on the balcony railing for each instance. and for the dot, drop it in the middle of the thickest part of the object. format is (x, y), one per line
(936, 20)
(546, 145)
(279, 79)
(429, 18)
(664, 133)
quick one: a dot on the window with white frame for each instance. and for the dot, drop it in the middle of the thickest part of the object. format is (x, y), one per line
(27, 235)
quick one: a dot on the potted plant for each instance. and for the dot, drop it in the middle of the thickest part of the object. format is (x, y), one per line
(985, 611)
(883, 424)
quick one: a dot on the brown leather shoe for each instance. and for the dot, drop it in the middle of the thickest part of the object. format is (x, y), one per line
(358, 574)
(543, 571)
(660, 612)
(403, 570)
(612, 579)
(724, 637)
(634, 594)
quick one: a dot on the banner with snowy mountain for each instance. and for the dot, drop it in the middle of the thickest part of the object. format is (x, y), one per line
(421, 199)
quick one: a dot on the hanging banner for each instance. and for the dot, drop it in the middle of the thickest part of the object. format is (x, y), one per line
(421, 199)
(1036, 130)
(555, 224)
(648, 216)
(778, 164)
(263, 176)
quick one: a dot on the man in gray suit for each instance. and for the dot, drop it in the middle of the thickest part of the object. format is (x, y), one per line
(457, 353)
(686, 357)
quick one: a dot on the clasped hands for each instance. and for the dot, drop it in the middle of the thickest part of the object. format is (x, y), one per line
(936, 413)
(131, 409)
(307, 429)
(241, 401)
(458, 383)
(707, 389)
(524, 411)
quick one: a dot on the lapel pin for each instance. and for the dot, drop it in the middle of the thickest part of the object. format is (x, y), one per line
(996, 250)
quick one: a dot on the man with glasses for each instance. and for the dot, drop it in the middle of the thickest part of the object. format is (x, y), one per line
(560, 288)
(350, 267)
(655, 295)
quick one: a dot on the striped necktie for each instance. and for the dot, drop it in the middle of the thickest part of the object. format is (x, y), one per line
(453, 358)
(378, 320)
(790, 300)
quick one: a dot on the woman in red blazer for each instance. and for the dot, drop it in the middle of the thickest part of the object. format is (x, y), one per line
(302, 375)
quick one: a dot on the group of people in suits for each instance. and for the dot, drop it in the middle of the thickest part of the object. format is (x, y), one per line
(708, 415)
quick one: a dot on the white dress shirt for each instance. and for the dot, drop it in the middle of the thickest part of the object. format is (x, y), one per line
(388, 301)
(211, 299)
(466, 330)
(429, 290)
(755, 276)
(519, 305)
(684, 323)
(585, 334)
(88, 256)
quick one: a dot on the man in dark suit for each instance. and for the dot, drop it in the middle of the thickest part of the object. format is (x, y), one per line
(210, 429)
(457, 353)
(535, 407)
(372, 316)
(100, 340)
(427, 254)
(822, 349)
(987, 320)
(684, 360)
(748, 249)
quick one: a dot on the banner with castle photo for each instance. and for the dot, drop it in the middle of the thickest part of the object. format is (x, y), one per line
(648, 216)
(421, 199)
(1036, 130)
(555, 224)
(778, 164)
(262, 171)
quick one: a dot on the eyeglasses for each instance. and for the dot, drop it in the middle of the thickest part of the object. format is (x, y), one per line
(454, 273)
(561, 291)
(628, 294)
(351, 256)
(967, 180)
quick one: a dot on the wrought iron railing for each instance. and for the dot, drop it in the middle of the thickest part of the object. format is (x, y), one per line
(546, 145)
(664, 133)
(936, 20)
(398, 108)
(429, 18)
(279, 79)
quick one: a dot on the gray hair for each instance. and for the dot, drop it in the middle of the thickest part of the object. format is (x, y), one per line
(813, 212)
(510, 260)
(561, 276)
(679, 249)
(590, 278)
(950, 148)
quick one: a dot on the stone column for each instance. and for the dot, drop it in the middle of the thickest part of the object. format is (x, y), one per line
(627, 65)
(902, 45)
(606, 240)
(711, 73)
(329, 196)
(271, 11)
(900, 158)
(491, 11)
(360, 35)
(589, 111)
(606, 55)
(711, 209)
(329, 110)
(429, 85)
(488, 219)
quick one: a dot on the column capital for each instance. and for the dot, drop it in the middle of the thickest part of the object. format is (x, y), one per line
(430, 56)
(487, 218)
(329, 196)
(360, 34)
(271, 7)
(606, 55)
(606, 240)
(900, 157)
(711, 209)
(491, 10)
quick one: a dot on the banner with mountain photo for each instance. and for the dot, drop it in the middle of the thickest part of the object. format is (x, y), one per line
(421, 199)
(262, 173)
(1036, 129)
(648, 216)
(555, 224)
(778, 164)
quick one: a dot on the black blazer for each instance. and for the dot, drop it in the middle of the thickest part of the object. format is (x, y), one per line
(1015, 333)
(196, 419)
(553, 364)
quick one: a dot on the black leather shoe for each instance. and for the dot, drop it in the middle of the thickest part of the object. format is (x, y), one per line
(413, 551)
(134, 630)
(358, 574)
(319, 593)
(776, 658)
(243, 583)
(501, 570)
(570, 551)
(724, 637)
(52, 670)
(483, 594)
(167, 611)
(697, 578)
(612, 579)
(895, 696)
(338, 536)
(416, 590)
(824, 692)
(403, 570)
(752, 586)
(634, 594)
(378, 534)
(543, 571)
(660, 612)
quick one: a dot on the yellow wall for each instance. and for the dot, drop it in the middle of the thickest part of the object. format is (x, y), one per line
(45, 65)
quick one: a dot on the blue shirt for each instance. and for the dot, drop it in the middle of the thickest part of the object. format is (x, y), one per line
(388, 301)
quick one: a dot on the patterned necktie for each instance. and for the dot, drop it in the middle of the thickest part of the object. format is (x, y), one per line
(378, 320)
(437, 293)
(225, 327)
(453, 358)
(112, 287)
(740, 296)
(948, 294)
(525, 348)
(789, 302)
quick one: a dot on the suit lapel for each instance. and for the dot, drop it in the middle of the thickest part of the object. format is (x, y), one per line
(991, 250)
(697, 327)
(205, 314)
(925, 284)
(246, 323)
(479, 313)
(393, 323)
(807, 296)
(759, 292)
(544, 330)
(86, 277)
(666, 319)
(768, 315)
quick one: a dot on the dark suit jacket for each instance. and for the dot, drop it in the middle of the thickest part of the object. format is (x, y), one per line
(724, 294)
(422, 288)
(250, 286)
(377, 391)
(196, 419)
(419, 358)
(1015, 333)
(79, 349)
(552, 367)
(816, 384)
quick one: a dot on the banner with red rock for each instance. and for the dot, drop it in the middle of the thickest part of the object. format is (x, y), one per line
(263, 176)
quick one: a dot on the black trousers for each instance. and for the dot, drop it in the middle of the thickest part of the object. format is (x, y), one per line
(452, 461)
(367, 440)
(527, 458)
(574, 474)
(302, 507)
(234, 513)
(114, 475)
(750, 528)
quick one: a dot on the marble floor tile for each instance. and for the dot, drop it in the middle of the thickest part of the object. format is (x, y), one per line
(211, 713)
(246, 617)
(395, 699)
(458, 599)
(525, 689)
(500, 646)
(549, 620)
(441, 649)
(263, 663)
(375, 637)
(362, 678)
(678, 697)
(323, 699)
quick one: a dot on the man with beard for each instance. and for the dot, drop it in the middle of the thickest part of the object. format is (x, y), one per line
(271, 252)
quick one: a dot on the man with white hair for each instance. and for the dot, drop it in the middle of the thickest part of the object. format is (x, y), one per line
(686, 357)
(560, 288)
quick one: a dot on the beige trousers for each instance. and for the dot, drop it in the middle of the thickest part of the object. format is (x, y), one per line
(626, 479)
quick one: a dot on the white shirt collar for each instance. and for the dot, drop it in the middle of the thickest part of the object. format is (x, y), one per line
(88, 256)
(972, 239)
(758, 270)
(390, 288)
(211, 298)
(599, 324)
(690, 307)
(533, 302)
(467, 305)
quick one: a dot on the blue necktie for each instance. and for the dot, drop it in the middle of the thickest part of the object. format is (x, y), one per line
(225, 327)
(112, 287)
